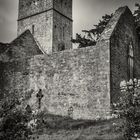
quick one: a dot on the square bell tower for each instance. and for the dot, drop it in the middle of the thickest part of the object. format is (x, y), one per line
(50, 22)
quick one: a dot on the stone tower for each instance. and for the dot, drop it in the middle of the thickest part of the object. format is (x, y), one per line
(50, 21)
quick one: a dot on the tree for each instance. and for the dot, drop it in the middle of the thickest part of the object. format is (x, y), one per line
(128, 108)
(91, 36)
(14, 120)
(83, 41)
(99, 28)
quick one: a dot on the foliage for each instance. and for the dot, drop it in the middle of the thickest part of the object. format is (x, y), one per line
(83, 41)
(128, 107)
(13, 120)
(92, 35)
(99, 28)
(14, 126)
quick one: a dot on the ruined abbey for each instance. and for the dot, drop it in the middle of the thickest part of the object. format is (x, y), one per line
(84, 81)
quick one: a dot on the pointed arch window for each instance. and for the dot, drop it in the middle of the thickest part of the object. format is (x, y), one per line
(130, 61)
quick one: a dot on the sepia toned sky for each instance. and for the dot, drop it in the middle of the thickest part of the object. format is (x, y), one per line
(86, 13)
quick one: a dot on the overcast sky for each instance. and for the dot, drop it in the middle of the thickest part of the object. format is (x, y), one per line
(86, 13)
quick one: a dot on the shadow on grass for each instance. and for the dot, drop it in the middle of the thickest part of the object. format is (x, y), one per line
(58, 122)
(63, 127)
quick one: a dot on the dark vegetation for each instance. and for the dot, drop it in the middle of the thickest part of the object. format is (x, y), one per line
(64, 128)
(128, 108)
(14, 126)
(13, 120)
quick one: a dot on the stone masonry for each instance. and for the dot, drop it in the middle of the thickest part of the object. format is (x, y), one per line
(85, 80)
(50, 22)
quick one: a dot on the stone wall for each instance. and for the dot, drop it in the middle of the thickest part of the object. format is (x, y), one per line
(123, 34)
(49, 21)
(29, 8)
(64, 7)
(43, 25)
(62, 32)
(3, 47)
(20, 48)
(23, 46)
(85, 79)
(14, 78)
(77, 78)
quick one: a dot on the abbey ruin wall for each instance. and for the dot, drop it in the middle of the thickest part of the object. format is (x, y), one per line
(77, 78)
(37, 25)
(123, 37)
(85, 80)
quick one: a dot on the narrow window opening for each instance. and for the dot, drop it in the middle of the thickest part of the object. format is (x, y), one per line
(61, 3)
(33, 29)
(131, 61)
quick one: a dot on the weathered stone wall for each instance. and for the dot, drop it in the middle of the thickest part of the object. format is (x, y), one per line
(49, 21)
(13, 76)
(64, 7)
(137, 59)
(62, 24)
(43, 25)
(23, 46)
(32, 7)
(20, 48)
(77, 78)
(62, 32)
(29, 8)
(86, 79)
(123, 34)
(3, 47)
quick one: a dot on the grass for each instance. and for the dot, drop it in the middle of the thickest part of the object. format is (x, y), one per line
(63, 128)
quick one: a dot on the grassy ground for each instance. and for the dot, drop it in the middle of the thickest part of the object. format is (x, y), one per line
(61, 128)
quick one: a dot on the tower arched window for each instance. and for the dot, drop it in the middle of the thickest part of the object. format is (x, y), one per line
(61, 3)
(130, 61)
(33, 29)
